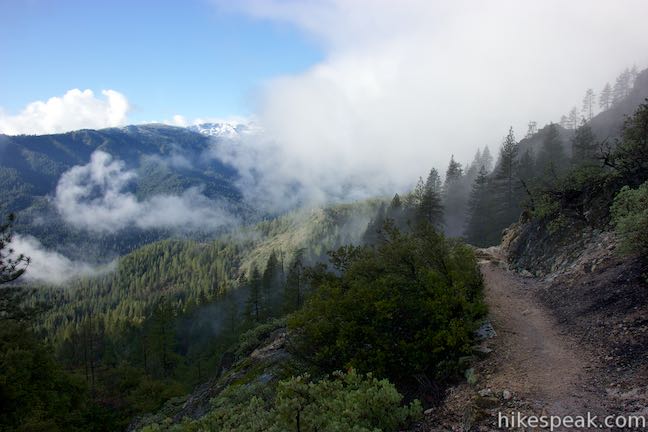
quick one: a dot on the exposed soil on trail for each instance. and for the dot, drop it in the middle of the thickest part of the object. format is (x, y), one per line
(537, 364)
(538, 361)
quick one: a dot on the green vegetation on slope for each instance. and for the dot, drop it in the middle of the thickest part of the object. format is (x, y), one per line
(630, 217)
(408, 306)
(404, 310)
(343, 402)
(36, 394)
(166, 160)
(588, 199)
(161, 322)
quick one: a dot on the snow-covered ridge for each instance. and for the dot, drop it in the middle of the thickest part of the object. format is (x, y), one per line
(226, 130)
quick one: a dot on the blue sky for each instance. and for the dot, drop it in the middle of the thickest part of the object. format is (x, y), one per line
(168, 57)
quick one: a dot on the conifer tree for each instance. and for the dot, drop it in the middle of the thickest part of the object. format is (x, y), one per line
(11, 266)
(294, 291)
(574, 118)
(630, 157)
(526, 167)
(583, 146)
(454, 171)
(433, 182)
(473, 168)
(551, 158)
(588, 105)
(454, 199)
(396, 204)
(231, 313)
(373, 234)
(162, 335)
(487, 160)
(397, 212)
(506, 179)
(605, 98)
(633, 76)
(480, 220)
(621, 87)
(271, 280)
(430, 206)
(255, 298)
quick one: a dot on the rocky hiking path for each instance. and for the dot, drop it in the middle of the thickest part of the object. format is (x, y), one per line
(534, 366)
(538, 361)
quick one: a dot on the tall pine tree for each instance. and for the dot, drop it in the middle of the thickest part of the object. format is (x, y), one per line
(506, 183)
(254, 305)
(430, 206)
(480, 220)
(455, 197)
(583, 146)
(605, 98)
(552, 160)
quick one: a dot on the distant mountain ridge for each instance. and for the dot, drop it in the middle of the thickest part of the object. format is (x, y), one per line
(38, 161)
(226, 130)
(165, 160)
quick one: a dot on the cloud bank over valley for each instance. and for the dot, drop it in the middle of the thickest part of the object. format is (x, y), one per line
(51, 267)
(95, 196)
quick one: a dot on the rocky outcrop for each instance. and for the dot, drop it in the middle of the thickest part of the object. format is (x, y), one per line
(534, 249)
(263, 360)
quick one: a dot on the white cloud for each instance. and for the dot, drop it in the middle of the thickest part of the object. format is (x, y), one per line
(76, 109)
(177, 120)
(94, 197)
(405, 84)
(52, 267)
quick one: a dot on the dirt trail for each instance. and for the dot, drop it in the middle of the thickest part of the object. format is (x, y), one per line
(534, 366)
(535, 359)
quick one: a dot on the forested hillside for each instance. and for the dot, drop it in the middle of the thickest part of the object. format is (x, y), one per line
(36, 162)
(161, 321)
(484, 198)
(173, 311)
(144, 162)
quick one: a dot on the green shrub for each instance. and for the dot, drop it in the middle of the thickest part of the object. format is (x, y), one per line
(573, 196)
(630, 217)
(252, 338)
(344, 402)
(630, 157)
(348, 402)
(150, 394)
(406, 307)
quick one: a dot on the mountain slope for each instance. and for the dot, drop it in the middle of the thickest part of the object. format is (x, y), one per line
(606, 125)
(37, 162)
(149, 161)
